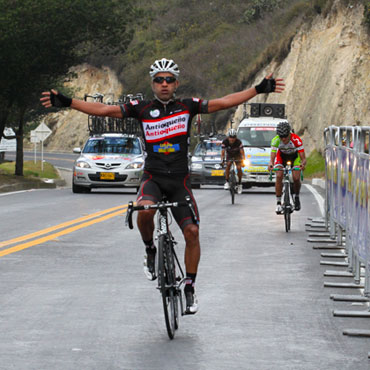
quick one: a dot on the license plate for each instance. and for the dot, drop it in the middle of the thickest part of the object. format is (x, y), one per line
(262, 178)
(217, 173)
(106, 175)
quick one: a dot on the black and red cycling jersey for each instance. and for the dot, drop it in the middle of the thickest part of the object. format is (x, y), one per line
(232, 150)
(166, 131)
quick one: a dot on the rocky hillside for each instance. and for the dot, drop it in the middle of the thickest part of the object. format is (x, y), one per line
(70, 128)
(326, 74)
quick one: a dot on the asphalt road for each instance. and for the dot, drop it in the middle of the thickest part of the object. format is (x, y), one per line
(73, 294)
(61, 160)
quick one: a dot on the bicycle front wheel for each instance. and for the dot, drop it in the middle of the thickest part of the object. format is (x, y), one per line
(167, 282)
(287, 206)
(287, 220)
(232, 187)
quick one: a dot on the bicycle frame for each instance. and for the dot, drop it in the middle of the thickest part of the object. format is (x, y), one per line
(163, 229)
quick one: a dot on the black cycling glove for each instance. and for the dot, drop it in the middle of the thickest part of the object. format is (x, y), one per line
(266, 86)
(59, 100)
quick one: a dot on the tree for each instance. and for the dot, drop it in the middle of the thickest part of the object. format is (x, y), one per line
(40, 40)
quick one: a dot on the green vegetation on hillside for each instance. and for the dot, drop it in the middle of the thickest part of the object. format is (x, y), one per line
(211, 41)
(219, 46)
(315, 165)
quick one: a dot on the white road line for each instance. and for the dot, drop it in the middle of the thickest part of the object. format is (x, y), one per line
(64, 169)
(320, 200)
(13, 192)
(20, 191)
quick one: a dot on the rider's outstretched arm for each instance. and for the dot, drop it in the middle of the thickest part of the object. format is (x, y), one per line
(267, 85)
(231, 100)
(54, 99)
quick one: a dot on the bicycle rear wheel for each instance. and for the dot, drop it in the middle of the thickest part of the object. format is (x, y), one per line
(167, 282)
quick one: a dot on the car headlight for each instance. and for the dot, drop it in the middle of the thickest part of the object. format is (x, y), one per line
(196, 166)
(135, 165)
(83, 164)
(246, 163)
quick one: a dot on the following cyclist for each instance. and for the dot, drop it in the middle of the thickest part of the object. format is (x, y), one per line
(233, 148)
(166, 122)
(287, 146)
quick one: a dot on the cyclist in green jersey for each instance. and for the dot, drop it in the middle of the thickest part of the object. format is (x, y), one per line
(287, 146)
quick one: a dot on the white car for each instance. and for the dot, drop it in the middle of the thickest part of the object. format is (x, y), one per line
(256, 132)
(108, 160)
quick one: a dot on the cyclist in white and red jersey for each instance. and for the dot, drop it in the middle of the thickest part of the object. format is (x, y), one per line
(287, 146)
(166, 123)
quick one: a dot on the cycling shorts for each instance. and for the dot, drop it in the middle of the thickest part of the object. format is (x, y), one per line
(282, 159)
(238, 159)
(175, 187)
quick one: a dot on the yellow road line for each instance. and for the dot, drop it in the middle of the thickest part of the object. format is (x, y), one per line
(60, 226)
(20, 247)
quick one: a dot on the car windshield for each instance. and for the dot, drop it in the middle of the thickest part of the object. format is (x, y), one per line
(208, 148)
(256, 136)
(115, 145)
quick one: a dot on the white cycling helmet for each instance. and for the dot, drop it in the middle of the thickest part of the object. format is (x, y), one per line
(164, 65)
(231, 133)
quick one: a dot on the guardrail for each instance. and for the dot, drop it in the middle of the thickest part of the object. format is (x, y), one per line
(347, 163)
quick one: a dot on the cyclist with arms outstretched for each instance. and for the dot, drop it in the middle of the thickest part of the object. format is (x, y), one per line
(287, 146)
(166, 123)
(232, 150)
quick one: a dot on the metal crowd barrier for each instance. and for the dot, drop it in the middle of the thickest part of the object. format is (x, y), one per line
(347, 172)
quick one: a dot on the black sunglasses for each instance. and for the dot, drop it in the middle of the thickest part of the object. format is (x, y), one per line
(283, 137)
(168, 79)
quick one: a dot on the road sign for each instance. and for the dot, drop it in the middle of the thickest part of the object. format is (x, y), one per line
(8, 145)
(42, 131)
(34, 138)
